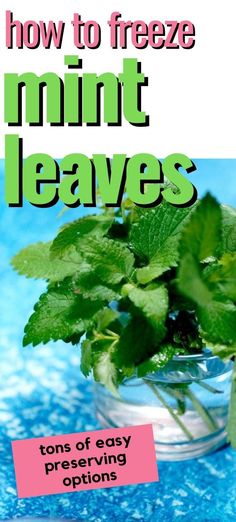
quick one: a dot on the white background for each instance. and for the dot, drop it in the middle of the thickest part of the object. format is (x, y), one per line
(191, 97)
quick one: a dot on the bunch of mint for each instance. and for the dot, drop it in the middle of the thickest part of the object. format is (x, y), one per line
(139, 285)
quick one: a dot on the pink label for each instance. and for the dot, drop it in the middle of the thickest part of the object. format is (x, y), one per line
(89, 460)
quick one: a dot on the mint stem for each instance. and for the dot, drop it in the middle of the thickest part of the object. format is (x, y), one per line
(170, 410)
(208, 387)
(202, 411)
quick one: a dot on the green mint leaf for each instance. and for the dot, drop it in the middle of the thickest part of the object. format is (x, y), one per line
(155, 238)
(155, 227)
(217, 319)
(221, 276)
(202, 234)
(153, 303)
(190, 282)
(86, 357)
(59, 314)
(227, 275)
(34, 261)
(231, 425)
(161, 263)
(218, 322)
(157, 361)
(137, 342)
(111, 260)
(90, 286)
(229, 229)
(223, 351)
(105, 317)
(105, 371)
(71, 235)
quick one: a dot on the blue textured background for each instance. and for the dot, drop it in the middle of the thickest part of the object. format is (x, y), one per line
(42, 393)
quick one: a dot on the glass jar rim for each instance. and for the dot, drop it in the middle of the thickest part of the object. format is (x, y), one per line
(205, 354)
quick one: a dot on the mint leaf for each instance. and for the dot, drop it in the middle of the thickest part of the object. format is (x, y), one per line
(190, 282)
(90, 286)
(221, 277)
(104, 370)
(155, 226)
(137, 342)
(229, 229)
(105, 317)
(86, 357)
(155, 238)
(153, 303)
(34, 261)
(162, 262)
(227, 276)
(59, 314)
(200, 240)
(218, 321)
(223, 351)
(72, 234)
(231, 424)
(157, 361)
(111, 260)
(202, 234)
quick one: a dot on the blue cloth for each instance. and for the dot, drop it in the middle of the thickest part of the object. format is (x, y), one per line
(42, 393)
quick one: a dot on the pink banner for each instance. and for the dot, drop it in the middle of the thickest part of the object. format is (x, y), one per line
(89, 460)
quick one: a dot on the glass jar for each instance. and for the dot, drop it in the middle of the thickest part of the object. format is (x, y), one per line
(186, 402)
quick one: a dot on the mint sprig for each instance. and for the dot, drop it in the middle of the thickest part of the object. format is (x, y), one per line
(140, 285)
